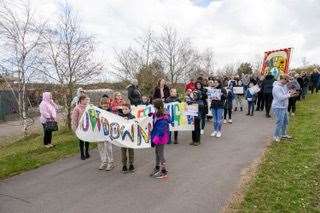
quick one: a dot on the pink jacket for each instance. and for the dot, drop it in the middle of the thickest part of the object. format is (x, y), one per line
(48, 109)
(76, 115)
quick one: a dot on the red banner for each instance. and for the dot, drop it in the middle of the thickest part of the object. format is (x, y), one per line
(276, 62)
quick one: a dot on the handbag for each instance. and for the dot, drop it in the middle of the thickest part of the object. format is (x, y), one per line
(51, 125)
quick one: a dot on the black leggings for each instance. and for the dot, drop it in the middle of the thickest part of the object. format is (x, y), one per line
(84, 147)
(47, 136)
(227, 112)
(292, 104)
(196, 131)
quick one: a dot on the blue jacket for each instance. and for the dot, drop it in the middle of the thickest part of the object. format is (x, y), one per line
(249, 96)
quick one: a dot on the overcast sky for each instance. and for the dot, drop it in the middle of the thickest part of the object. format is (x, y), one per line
(237, 30)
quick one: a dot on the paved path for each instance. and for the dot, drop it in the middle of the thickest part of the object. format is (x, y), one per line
(202, 179)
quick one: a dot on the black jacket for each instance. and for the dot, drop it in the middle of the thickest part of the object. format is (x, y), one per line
(134, 95)
(220, 103)
(171, 99)
(128, 116)
(267, 84)
(157, 92)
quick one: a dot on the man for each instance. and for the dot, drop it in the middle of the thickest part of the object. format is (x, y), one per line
(266, 87)
(134, 93)
(281, 95)
(314, 81)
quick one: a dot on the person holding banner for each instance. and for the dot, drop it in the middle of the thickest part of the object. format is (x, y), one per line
(281, 95)
(201, 97)
(196, 133)
(126, 113)
(173, 98)
(228, 105)
(162, 91)
(75, 119)
(218, 98)
(105, 148)
(238, 90)
(159, 138)
(117, 102)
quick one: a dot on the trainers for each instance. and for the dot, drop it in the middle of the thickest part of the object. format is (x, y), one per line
(83, 157)
(196, 144)
(47, 146)
(110, 166)
(224, 121)
(192, 143)
(87, 155)
(213, 134)
(218, 134)
(131, 168)
(124, 169)
(292, 114)
(287, 136)
(161, 175)
(102, 166)
(155, 171)
(202, 132)
(230, 121)
(276, 139)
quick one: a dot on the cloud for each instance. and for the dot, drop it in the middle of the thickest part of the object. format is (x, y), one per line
(237, 30)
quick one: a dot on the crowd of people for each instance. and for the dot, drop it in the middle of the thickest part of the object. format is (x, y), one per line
(277, 96)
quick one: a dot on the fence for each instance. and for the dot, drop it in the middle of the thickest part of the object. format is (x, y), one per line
(8, 104)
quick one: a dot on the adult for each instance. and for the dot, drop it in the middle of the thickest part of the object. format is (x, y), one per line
(245, 81)
(294, 86)
(191, 85)
(218, 98)
(281, 95)
(75, 100)
(134, 93)
(238, 97)
(201, 99)
(260, 100)
(266, 87)
(161, 91)
(48, 111)
(315, 76)
(300, 81)
(306, 82)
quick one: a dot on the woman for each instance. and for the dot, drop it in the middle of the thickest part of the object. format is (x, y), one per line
(75, 119)
(201, 99)
(162, 91)
(117, 102)
(218, 98)
(48, 111)
(294, 86)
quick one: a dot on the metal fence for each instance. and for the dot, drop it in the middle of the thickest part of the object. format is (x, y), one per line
(8, 104)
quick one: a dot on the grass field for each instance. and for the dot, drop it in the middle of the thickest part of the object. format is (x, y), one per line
(288, 179)
(29, 153)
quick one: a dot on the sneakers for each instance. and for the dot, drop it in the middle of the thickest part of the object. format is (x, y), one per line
(218, 134)
(213, 134)
(268, 116)
(276, 139)
(202, 132)
(109, 167)
(192, 143)
(124, 169)
(292, 114)
(287, 137)
(196, 143)
(224, 121)
(161, 174)
(83, 157)
(131, 168)
(155, 171)
(102, 166)
(87, 155)
(230, 121)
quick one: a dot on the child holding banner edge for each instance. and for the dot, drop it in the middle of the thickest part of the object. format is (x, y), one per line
(159, 138)
(173, 98)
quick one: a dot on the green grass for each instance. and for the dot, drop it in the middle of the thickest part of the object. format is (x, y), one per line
(29, 152)
(288, 179)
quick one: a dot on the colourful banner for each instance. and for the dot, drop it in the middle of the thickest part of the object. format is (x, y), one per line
(97, 125)
(276, 62)
(182, 114)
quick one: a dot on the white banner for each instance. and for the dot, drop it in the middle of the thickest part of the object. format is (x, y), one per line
(182, 114)
(214, 94)
(97, 125)
(238, 90)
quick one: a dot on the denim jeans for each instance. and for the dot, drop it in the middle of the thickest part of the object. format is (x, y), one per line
(281, 116)
(217, 114)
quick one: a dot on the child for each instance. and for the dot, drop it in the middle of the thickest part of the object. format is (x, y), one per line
(196, 133)
(105, 148)
(228, 105)
(173, 98)
(75, 119)
(160, 137)
(250, 99)
(117, 102)
(126, 112)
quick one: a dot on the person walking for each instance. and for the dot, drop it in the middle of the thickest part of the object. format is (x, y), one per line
(48, 112)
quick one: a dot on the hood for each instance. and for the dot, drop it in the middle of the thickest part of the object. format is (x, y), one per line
(46, 96)
(78, 91)
(269, 77)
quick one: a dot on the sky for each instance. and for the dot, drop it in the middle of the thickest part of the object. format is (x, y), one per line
(236, 30)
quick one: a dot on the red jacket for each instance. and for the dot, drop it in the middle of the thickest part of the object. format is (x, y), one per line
(190, 85)
(115, 104)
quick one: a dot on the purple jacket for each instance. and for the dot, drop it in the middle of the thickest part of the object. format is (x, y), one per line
(160, 132)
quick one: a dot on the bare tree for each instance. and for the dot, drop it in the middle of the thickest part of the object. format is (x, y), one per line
(131, 60)
(21, 40)
(175, 53)
(69, 57)
(207, 62)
